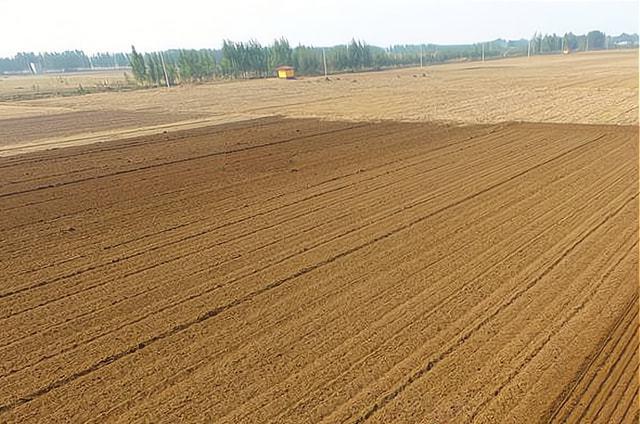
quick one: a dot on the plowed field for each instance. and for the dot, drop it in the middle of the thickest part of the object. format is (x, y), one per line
(285, 270)
(588, 88)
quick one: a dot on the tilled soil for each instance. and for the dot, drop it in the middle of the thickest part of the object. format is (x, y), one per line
(24, 130)
(587, 88)
(306, 271)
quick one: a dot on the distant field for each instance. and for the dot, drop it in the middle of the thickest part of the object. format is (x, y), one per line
(20, 87)
(592, 88)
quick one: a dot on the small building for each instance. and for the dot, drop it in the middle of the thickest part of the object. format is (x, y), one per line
(285, 72)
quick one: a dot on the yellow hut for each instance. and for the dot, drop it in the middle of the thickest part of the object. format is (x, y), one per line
(285, 72)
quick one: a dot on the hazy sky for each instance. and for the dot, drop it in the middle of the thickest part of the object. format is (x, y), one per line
(113, 25)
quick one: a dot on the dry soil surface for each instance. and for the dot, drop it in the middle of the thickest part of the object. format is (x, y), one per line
(311, 271)
(593, 88)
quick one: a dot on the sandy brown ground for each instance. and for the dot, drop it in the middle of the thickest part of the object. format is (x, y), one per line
(311, 271)
(15, 87)
(595, 88)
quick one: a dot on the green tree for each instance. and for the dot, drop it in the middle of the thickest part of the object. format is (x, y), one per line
(280, 54)
(596, 40)
(137, 65)
(153, 68)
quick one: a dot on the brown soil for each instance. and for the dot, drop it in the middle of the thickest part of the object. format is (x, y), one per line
(14, 87)
(592, 88)
(309, 271)
(24, 130)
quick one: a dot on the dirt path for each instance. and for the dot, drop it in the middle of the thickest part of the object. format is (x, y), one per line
(312, 271)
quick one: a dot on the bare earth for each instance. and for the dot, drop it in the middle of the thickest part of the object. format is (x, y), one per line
(14, 87)
(305, 270)
(228, 274)
(595, 88)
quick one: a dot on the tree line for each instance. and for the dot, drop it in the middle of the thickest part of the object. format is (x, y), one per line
(246, 60)
(594, 40)
(70, 60)
(251, 59)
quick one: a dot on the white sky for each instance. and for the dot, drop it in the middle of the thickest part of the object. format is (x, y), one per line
(113, 25)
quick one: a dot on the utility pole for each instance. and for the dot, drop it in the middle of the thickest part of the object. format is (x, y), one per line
(164, 68)
(482, 52)
(421, 54)
(324, 61)
(586, 49)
